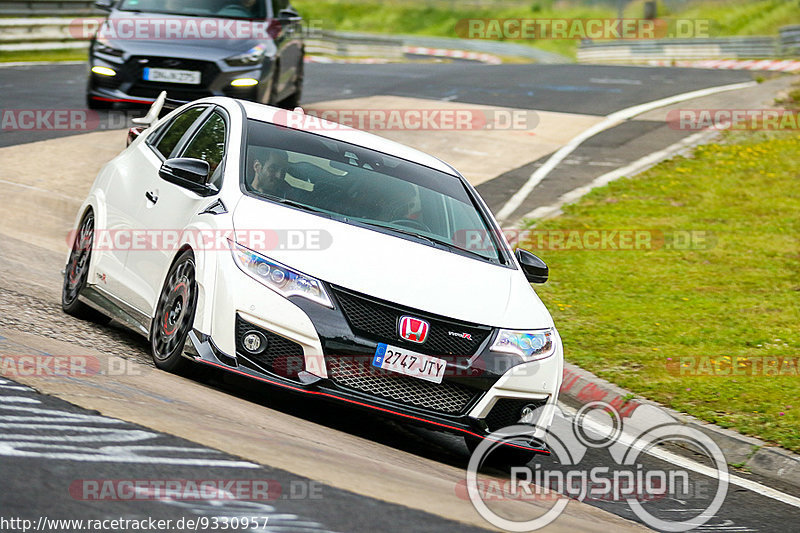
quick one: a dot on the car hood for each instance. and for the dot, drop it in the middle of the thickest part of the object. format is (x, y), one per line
(212, 49)
(398, 270)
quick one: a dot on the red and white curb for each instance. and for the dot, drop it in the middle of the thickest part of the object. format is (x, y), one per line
(415, 50)
(364, 60)
(775, 65)
(454, 54)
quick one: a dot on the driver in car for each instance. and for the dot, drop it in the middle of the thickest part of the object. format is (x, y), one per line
(269, 173)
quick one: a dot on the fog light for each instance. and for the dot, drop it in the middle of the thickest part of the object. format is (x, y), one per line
(254, 342)
(104, 71)
(244, 82)
(528, 414)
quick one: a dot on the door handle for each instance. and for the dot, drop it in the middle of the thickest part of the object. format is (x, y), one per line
(151, 196)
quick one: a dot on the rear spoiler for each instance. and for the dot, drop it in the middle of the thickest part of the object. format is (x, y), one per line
(160, 107)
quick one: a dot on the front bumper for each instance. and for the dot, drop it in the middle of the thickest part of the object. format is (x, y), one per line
(128, 85)
(322, 352)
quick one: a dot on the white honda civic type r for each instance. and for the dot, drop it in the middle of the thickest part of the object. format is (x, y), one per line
(320, 259)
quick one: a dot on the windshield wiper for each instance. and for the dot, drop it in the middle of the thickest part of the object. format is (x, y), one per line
(463, 250)
(431, 240)
(298, 205)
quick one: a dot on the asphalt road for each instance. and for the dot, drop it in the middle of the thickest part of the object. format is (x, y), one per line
(36, 484)
(54, 453)
(586, 89)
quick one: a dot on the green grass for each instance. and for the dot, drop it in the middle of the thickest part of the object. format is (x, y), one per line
(44, 55)
(750, 17)
(439, 18)
(623, 314)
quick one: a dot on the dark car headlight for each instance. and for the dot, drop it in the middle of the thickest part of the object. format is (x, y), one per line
(101, 46)
(530, 345)
(280, 278)
(253, 56)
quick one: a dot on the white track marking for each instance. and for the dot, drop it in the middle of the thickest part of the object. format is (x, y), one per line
(38, 189)
(628, 170)
(37, 63)
(608, 122)
(18, 399)
(687, 463)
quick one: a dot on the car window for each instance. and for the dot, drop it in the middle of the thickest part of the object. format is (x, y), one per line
(216, 8)
(176, 129)
(360, 186)
(208, 143)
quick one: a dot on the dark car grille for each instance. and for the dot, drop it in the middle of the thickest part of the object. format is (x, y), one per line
(378, 320)
(507, 412)
(178, 91)
(450, 398)
(282, 356)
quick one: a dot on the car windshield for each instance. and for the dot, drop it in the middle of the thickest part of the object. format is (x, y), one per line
(246, 9)
(363, 187)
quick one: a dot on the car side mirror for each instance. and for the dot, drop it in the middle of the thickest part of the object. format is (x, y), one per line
(288, 15)
(189, 173)
(535, 269)
(104, 5)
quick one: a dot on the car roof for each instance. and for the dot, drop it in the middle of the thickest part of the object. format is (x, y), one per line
(340, 132)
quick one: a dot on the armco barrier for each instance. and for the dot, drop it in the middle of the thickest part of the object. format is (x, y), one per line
(647, 51)
(790, 40)
(47, 8)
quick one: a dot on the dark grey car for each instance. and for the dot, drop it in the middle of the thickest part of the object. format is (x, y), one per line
(249, 49)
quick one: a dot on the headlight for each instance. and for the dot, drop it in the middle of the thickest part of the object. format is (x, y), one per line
(102, 46)
(278, 277)
(530, 345)
(251, 57)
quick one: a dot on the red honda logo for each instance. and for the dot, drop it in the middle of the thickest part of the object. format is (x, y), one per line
(413, 329)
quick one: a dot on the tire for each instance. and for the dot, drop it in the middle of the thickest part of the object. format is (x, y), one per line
(503, 457)
(272, 95)
(294, 100)
(76, 273)
(174, 318)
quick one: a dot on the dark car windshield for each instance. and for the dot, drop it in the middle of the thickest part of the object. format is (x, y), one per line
(246, 9)
(360, 186)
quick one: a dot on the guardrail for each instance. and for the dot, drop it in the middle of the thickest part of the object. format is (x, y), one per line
(48, 8)
(645, 51)
(23, 34)
(790, 40)
(339, 44)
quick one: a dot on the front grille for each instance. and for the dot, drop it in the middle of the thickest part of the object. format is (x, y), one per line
(507, 412)
(450, 398)
(177, 91)
(282, 356)
(378, 320)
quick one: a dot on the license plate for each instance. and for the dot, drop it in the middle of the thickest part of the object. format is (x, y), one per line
(168, 75)
(402, 361)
